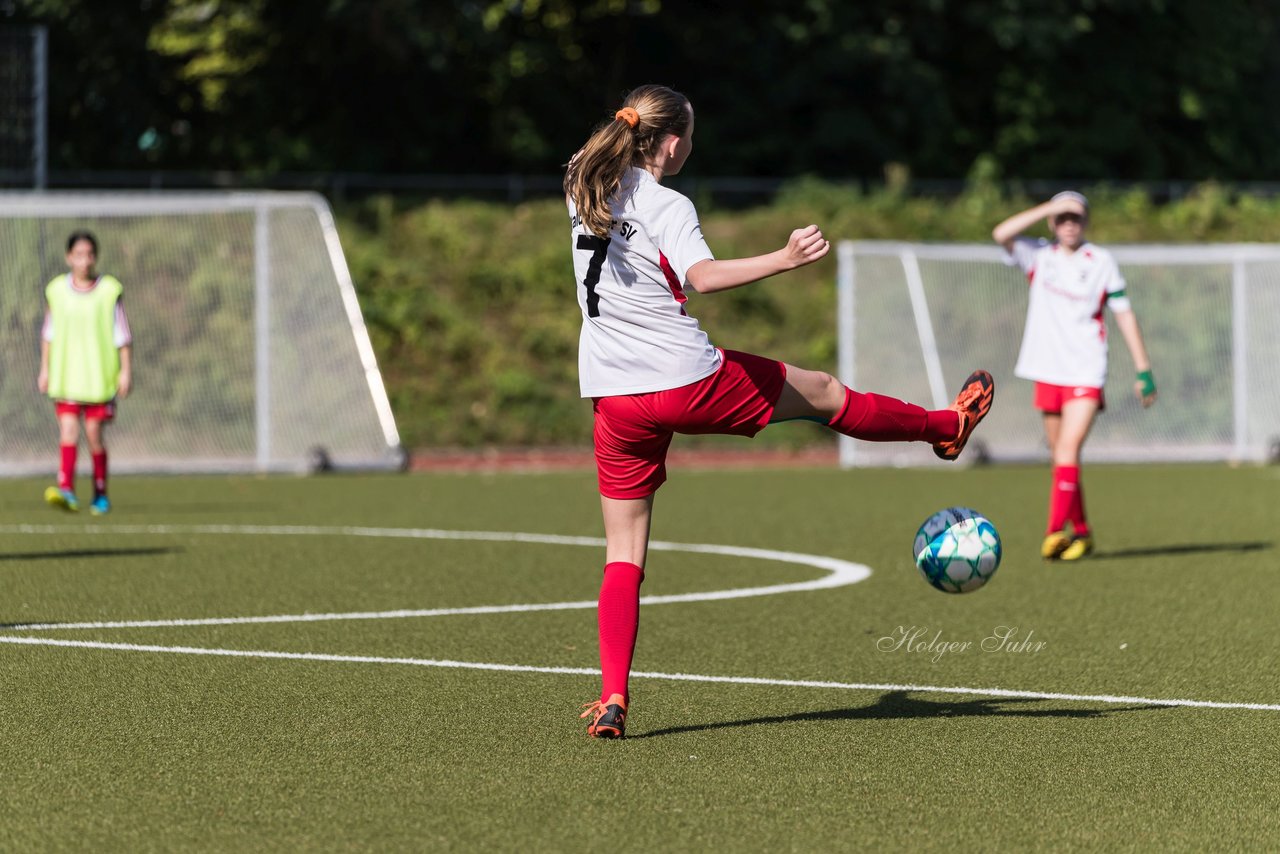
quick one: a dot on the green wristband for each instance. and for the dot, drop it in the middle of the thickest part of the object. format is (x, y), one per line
(1148, 383)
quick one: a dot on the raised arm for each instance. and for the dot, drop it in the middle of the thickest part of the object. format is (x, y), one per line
(1145, 385)
(805, 246)
(1006, 232)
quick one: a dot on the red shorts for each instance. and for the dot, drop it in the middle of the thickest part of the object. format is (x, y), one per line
(90, 411)
(633, 431)
(1049, 398)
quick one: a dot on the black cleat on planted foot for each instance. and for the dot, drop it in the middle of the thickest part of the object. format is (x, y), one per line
(608, 718)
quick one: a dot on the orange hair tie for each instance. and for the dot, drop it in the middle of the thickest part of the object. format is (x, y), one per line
(628, 115)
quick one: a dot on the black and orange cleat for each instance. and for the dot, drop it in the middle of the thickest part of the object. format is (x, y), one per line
(608, 717)
(972, 403)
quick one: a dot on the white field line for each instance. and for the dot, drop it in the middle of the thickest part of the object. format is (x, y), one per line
(1108, 699)
(839, 572)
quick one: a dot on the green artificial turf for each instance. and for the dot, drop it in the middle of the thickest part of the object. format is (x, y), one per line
(150, 749)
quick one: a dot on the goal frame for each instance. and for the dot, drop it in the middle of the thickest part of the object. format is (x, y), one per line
(73, 204)
(909, 255)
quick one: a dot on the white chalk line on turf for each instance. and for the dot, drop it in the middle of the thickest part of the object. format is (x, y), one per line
(839, 572)
(1107, 699)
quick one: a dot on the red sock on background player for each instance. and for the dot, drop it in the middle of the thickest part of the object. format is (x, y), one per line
(1066, 488)
(1075, 510)
(67, 470)
(100, 473)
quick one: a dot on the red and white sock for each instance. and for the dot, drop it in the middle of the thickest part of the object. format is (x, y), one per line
(1065, 493)
(619, 619)
(67, 470)
(877, 418)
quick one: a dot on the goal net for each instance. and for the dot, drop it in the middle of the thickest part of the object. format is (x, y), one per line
(914, 319)
(249, 350)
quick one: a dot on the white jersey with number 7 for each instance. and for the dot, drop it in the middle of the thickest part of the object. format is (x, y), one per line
(636, 335)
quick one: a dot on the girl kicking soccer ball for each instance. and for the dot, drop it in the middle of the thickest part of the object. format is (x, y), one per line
(651, 371)
(1064, 349)
(84, 365)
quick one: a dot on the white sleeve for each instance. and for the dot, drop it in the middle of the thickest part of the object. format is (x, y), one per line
(123, 336)
(1023, 254)
(46, 331)
(679, 237)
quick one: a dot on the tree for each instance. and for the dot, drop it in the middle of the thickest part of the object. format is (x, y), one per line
(1088, 89)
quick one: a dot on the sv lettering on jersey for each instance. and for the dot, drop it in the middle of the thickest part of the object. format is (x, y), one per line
(624, 228)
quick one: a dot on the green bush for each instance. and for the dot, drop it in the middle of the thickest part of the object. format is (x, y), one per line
(472, 309)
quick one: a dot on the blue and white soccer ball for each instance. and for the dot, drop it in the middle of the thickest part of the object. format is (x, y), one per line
(957, 550)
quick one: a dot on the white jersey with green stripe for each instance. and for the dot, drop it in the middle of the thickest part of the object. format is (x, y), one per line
(636, 335)
(1065, 338)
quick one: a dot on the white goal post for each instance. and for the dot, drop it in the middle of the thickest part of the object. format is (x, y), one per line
(914, 319)
(250, 352)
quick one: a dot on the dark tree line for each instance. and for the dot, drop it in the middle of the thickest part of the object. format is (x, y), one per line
(1088, 89)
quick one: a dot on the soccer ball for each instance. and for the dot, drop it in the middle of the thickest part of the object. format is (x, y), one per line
(957, 550)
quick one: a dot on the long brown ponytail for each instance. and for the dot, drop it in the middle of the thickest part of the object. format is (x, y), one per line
(594, 174)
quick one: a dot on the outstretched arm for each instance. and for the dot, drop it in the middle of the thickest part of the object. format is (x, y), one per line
(805, 246)
(1145, 386)
(1007, 231)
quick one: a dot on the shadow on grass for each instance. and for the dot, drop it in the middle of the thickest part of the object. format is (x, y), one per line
(900, 704)
(1183, 549)
(69, 554)
(179, 508)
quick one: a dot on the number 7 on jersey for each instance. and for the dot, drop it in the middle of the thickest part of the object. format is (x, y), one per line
(598, 246)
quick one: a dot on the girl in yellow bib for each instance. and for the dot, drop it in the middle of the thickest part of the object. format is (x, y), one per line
(84, 365)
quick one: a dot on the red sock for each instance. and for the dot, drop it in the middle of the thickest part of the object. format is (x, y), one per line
(619, 617)
(67, 471)
(100, 473)
(1066, 491)
(1076, 511)
(877, 418)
